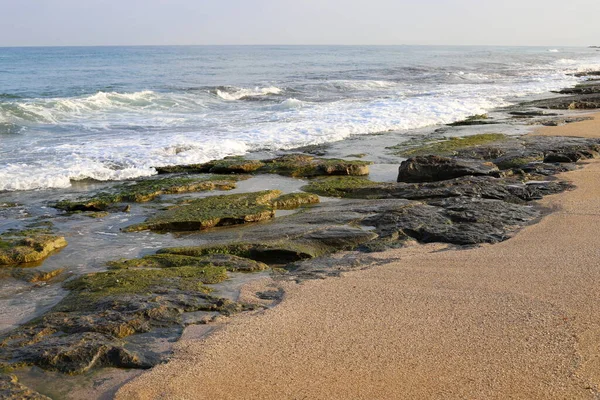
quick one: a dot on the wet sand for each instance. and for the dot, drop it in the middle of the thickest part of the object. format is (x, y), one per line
(519, 319)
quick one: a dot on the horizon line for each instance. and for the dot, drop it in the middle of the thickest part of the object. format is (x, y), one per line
(287, 45)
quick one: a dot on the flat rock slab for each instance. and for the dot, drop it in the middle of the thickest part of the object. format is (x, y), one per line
(213, 211)
(296, 165)
(435, 168)
(488, 187)
(24, 250)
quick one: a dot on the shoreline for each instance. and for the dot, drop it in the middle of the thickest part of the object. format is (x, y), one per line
(514, 318)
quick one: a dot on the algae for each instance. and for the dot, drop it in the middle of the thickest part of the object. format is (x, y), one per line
(229, 262)
(24, 248)
(448, 147)
(144, 281)
(337, 186)
(294, 165)
(292, 201)
(212, 211)
(147, 190)
(274, 252)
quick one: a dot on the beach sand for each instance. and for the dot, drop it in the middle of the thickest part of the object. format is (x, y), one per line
(519, 319)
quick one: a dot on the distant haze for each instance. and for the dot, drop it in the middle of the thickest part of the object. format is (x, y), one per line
(386, 22)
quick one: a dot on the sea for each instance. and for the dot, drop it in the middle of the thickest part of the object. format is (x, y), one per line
(116, 113)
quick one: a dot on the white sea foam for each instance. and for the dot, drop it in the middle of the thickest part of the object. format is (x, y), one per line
(553, 50)
(240, 93)
(290, 104)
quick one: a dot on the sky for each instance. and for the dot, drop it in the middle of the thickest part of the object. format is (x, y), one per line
(359, 22)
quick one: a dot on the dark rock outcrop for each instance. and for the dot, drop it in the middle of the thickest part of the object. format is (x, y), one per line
(435, 168)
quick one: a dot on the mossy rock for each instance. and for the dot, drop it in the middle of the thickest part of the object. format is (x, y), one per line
(17, 250)
(295, 165)
(228, 165)
(229, 262)
(7, 205)
(337, 186)
(449, 147)
(143, 281)
(147, 190)
(302, 165)
(212, 211)
(292, 201)
(278, 253)
(478, 119)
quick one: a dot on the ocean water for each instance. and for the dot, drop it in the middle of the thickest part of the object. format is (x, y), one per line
(113, 113)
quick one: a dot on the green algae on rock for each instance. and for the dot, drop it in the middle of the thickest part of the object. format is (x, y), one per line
(90, 327)
(448, 146)
(338, 186)
(212, 211)
(142, 281)
(295, 165)
(229, 262)
(273, 252)
(478, 119)
(147, 190)
(16, 249)
(292, 201)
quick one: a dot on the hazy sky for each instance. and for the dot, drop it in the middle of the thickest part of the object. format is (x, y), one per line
(142, 22)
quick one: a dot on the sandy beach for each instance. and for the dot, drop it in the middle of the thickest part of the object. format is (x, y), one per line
(519, 319)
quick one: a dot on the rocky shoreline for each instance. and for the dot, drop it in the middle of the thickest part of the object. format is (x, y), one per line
(454, 189)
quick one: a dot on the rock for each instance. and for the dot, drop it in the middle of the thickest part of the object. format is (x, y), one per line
(165, 260)
(15, 250)
(447, 146)
(212, 211)
(35, 276)
(568, 157)
(531, 113)
(480, 119)
(93, 325)
(296, 165)
(301, 165)
(582, 101)
(587, 73)
(147, 190)
(292, 201)
(436, 168)
(11, 389)
(459, 220)
(509, 190)
(272, 252)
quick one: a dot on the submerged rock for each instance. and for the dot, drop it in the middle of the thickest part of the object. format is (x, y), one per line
(36, 276)
(12, 389)
(436, 168)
